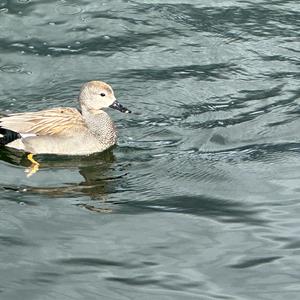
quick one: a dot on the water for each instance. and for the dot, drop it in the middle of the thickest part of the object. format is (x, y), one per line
(200, 199)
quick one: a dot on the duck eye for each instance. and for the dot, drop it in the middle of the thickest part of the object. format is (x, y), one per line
(102, 94)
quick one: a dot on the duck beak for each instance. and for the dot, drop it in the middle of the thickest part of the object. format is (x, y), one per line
(118, 106)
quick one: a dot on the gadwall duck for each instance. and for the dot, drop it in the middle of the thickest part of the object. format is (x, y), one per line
(65, 130)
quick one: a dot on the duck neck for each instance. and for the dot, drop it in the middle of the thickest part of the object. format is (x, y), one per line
(100, 125)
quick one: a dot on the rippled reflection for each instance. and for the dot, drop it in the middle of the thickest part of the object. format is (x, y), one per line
(97, 177)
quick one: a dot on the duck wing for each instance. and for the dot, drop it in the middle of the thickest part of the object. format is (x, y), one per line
(63, 121)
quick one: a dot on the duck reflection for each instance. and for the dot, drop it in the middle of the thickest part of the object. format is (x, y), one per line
(99, 175)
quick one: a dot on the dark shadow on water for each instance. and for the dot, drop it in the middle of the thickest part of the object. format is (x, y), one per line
(221, 210)
(250, 263)
(15, 241)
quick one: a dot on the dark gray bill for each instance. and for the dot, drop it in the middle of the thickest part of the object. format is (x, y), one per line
(118, 106)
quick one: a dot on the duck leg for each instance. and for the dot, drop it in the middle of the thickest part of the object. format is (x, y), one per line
(34, 166)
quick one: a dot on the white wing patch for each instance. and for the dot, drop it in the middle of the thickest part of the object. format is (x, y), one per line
(26, 135)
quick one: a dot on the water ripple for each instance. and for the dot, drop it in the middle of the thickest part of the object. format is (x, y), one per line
(202, 192)
(250, 263)
(68, 9)
(200, 72)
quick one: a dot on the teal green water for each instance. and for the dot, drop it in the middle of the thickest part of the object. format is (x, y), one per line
(201, 197)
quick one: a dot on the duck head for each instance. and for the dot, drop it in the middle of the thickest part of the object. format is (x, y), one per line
(98, 95)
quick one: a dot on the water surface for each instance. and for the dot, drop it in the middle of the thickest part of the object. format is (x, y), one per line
(200, 199)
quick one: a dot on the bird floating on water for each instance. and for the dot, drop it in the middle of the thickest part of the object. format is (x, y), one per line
(65, 130)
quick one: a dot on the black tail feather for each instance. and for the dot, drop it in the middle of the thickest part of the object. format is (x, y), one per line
(7, 136)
